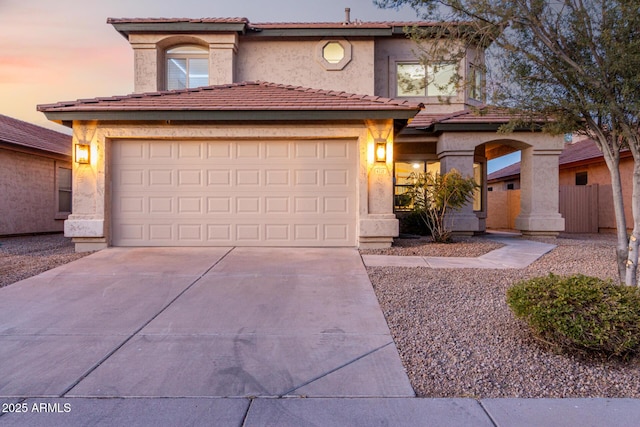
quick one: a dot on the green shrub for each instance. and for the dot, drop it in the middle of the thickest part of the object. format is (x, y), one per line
(579, 312)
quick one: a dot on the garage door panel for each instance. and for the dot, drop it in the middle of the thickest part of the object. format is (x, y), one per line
(277, 177)
(275, 205)
(239, 234)
(190, 177)
(190, 150)
(253, 193)
(247, 177)
(277, 150)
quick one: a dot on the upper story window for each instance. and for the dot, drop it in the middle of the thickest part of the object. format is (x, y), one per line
(476, 83)
(333, 55)
(414, 79)
(187, 66)
(333, 52)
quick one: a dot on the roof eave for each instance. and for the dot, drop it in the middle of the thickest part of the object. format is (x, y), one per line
(36, 151)
(231, 115)
(322, 32)
(126, 28)
(473, 127)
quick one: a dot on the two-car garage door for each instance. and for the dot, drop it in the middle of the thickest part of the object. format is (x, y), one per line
(235, 192)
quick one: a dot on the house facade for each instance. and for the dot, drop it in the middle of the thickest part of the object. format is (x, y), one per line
(282, 134)
(35, 178)
(585, 195)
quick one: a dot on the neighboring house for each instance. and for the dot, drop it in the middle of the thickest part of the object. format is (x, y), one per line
(282, 134)
(586, 199)
(35, 178)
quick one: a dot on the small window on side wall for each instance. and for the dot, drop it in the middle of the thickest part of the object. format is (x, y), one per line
(581, 178)
(64, 191)
(187, 67)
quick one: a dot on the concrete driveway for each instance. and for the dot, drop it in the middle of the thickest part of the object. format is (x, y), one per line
(199, 322)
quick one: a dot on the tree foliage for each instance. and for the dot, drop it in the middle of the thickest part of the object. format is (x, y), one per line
(434, 196)
(577, 61)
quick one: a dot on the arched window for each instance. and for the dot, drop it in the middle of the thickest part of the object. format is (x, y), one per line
(187, 66)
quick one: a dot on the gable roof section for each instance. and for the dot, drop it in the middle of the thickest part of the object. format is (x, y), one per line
(238, 101)
(18, 133)
(511, 171)
(584, 151)
(475, 119)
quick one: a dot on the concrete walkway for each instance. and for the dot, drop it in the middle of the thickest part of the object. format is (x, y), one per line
(230, 337)
(516, 253)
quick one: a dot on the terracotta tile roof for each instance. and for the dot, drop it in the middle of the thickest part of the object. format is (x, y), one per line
(481, 115)
(246, 96)
(275, 25)
(585, 149)
(176, 20)
(580, 151)
(511, 170)
(353, 24)
(14, 131)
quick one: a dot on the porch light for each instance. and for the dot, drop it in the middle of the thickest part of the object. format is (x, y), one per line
(381, 152)
(82, 153)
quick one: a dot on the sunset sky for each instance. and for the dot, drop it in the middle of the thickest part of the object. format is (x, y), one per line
(64, 50)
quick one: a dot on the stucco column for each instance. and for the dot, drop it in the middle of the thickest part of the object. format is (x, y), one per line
(222, 59)
(145, 63)
(86, 225)
(539, 193)
(378, 225)
(464, 221)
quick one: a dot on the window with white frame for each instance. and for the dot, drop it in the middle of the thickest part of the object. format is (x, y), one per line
(414, 79)
(187, 67)
(64, 191)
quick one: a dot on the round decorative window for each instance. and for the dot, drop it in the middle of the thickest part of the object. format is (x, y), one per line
(333, 55)
(333, 52)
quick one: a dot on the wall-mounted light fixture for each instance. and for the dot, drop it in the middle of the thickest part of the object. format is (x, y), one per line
(381, 151)
(83, 153)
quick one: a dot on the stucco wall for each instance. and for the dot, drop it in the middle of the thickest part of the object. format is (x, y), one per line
(502, 209)
(370, 71)
(388, 52)
(90, 222)
(29, 193)
(296, 62)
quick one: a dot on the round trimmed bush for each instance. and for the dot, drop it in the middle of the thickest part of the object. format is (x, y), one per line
(579, 312)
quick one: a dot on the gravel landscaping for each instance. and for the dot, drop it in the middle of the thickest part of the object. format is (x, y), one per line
(423, 246)
(25, 256)
(457, 337)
